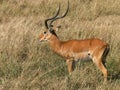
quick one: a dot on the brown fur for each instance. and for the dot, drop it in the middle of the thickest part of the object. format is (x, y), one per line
(72, 50)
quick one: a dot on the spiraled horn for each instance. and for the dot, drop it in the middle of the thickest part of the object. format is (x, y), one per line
(60, 16)
(46, 24)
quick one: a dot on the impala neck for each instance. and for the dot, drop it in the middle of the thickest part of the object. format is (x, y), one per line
(54, 42)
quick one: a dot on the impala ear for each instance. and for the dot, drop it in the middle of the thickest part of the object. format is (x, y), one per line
(58, 27)
(51, 30)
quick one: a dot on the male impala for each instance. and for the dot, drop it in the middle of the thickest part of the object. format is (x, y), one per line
(73, 50)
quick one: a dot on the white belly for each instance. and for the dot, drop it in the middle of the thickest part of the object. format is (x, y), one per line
(84, 56)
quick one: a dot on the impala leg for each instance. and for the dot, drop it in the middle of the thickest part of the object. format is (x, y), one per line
(71, 65)
(101, 66)
(106, 51)
(99, 60)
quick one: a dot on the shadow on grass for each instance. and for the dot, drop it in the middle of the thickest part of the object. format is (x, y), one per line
(114, 76)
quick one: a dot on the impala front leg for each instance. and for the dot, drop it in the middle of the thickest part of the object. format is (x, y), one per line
(71, 65)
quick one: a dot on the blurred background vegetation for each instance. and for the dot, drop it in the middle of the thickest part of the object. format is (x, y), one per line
(27, 64)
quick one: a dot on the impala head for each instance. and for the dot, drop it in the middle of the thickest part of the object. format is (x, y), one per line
(46, 35)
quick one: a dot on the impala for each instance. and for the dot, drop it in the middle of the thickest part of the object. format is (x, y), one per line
(73, 50)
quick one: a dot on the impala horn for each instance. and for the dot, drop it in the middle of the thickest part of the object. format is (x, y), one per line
(55, 17)
(46, 24)
(50, 25)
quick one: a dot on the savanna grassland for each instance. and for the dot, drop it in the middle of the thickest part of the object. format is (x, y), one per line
(27, 64)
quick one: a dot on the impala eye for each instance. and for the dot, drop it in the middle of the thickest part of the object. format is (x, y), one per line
(45, 32)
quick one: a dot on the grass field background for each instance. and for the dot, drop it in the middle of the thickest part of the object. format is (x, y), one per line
(27, 64)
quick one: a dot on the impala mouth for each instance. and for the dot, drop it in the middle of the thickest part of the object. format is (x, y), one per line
(40, 40)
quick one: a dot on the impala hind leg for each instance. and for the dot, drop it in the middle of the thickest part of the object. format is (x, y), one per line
(71, 65)
(105, 53)
(100, 59)
(101, 66)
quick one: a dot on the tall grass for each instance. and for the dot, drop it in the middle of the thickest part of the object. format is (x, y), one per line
(27, 64)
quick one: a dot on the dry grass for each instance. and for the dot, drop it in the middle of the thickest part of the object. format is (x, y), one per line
(26, 64)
